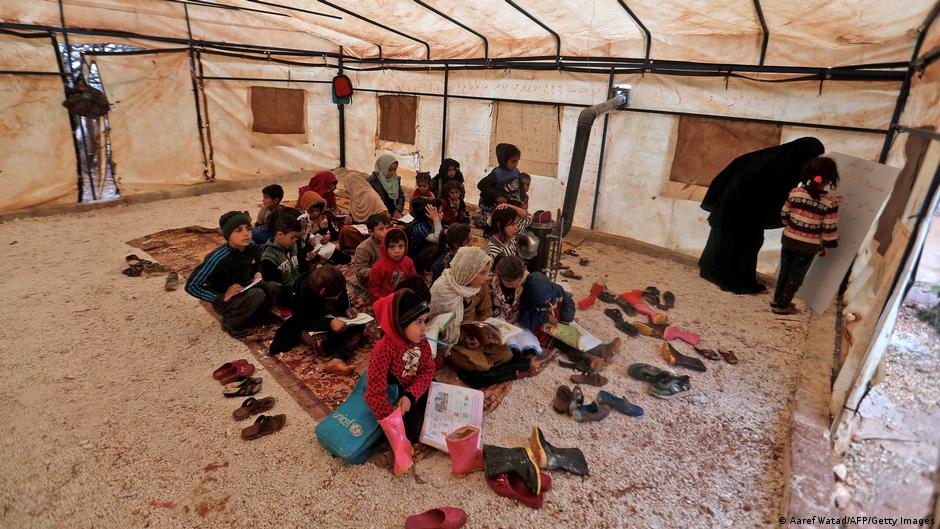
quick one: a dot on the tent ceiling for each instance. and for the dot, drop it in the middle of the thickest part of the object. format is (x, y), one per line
(806, 33)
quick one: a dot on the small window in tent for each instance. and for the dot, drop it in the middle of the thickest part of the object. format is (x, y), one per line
(534, 129)
(398, 118)
(278, 110)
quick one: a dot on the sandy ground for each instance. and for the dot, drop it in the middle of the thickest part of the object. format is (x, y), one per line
(111, 417)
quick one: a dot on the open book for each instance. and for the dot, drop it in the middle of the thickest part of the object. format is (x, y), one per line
(361, 228)
(248, 286)
(361, 319)
(515, 337)
(450, 407)
(434, 329)
(406, 218)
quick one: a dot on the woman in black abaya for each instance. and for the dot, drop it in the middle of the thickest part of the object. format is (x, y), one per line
(744, 200)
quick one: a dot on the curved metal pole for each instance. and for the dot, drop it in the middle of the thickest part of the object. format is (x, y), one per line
(377, 24)
(486, 43)
(543, 26)
(649, 36)
(297, 9)
(765, 32)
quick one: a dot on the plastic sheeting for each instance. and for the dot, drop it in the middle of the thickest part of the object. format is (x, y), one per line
(38, 162)
(154, 131)
(807, 33)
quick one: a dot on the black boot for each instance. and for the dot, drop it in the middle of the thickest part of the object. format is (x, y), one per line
(498, 460)
(551, 458)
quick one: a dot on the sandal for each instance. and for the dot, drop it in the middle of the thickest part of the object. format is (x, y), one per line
(625, 306)
(244, 382)
(707, 353)
(227, 369)
(241, 371)
(583, 262)
(264, 425)
(675, 358)
(729, 356)
(571, 252)
(592, 379)
(607, 296)
(651, 295)
(570, 274)
(621, 325)
(242, 391)
(669, 300)
(253, 406)
(647, 329)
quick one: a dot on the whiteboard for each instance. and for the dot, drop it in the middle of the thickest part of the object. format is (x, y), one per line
(865, 187)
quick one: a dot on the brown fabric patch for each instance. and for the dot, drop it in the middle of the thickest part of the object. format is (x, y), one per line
(534, 129)
(398, 117)
(706, 146)
(277, 110)
(299, 370)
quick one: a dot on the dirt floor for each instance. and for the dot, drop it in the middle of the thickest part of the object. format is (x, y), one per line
(111, 417)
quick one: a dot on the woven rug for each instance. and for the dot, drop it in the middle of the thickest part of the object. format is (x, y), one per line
(299, 370)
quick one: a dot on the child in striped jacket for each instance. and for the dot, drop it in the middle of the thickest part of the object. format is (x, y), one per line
(810, 217)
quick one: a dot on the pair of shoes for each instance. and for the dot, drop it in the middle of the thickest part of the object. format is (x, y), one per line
(440, 518)
(233, 371)
(675, 358)
(652, 296)
(252, 406)
(248, 387)
(571, 402)
(264, 425)
(621, 404)
(498, 460)
(621, 324)
(662, 383)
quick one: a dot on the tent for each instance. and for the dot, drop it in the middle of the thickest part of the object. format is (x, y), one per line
(229, 90)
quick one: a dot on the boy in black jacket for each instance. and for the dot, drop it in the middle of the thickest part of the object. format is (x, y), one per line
(221, 276)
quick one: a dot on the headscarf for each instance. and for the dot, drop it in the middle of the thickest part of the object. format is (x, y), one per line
(363, 200)
(753, 188)
(450, 290)
(308, 198)
(320, 183)
(392, 186)
(441, 179)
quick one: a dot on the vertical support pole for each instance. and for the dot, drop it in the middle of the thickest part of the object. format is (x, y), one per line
(192, 77)
(444, 118)
(65, 85)
(207, 122)
(342, 119)
(600, 160)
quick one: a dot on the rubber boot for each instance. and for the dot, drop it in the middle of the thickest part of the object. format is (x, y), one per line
(465, 454)
(394, 428)
(673, 332)
(675, 358)
(549, 457)
(498, 460)
(657, 318)
(586, 303)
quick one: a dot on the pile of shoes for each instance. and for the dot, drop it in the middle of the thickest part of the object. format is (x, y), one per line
(238, 382)
(137, 266)
(570, 401)
(662, 384)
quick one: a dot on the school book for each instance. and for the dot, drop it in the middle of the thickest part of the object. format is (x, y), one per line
(516, 337)
(249, 285)
(450, 407)
(361, 319)
(434, 327)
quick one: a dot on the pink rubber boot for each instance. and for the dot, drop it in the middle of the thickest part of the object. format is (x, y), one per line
(657, 318)
(673, 332)
(465, 453)
(394, 428)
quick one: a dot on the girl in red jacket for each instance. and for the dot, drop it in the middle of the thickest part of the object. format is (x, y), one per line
(394, 266)
(401, 358)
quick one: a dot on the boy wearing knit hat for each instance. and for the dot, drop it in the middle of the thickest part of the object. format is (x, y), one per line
(222, 275)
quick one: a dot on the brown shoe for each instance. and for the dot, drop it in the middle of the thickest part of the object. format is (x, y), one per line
(591, 379)
(562, 400)
(264, 425)
(675, 358)
(253, 406)
(606, 350)
(337, 367)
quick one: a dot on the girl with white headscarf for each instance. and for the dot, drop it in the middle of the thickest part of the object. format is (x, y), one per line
(469, 270)
(387, 184)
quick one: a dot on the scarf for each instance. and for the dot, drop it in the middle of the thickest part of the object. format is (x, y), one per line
(450, 290)
(363, 200)
(320, 184)
(392, 186)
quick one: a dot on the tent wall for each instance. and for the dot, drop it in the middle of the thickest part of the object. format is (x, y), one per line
(240, 154)
(38, 165)
(154, 131)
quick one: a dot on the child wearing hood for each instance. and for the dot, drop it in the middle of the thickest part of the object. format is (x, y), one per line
(402, 357)
(393, 267)
(449, 172)
(503, 184)
(324, 185)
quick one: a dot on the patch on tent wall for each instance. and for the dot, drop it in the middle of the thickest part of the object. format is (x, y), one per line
(278, 110)
(914, 151)
(398, 118)
(534, 129)
(706, 146)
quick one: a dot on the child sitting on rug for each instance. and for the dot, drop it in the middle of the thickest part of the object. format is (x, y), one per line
(321, 297)
(222, 275)
(322, 229)
(448, 172)
(280, 260)
(506, 287)
(394, 266)
(401, 358)
(456, 237)
(546, 309)
(369, 251)
(424, 234)
(505, 225)
(502, 184)
(422, 186)
(271, 197)
(453, 208)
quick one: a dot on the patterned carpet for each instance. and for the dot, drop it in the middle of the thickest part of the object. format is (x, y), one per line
(300, 369)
